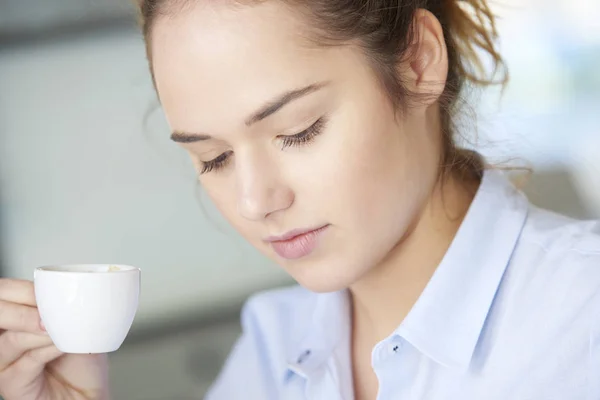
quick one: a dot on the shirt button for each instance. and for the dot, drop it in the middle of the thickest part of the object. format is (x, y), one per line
(394, 346)
(303, 357)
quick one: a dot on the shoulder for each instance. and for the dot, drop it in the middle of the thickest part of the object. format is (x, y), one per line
(553, 232)
(288, 306)
(279, 316)
(271, 324)
(556, 266)
(281, 300)
(548, 303)
(559, 247)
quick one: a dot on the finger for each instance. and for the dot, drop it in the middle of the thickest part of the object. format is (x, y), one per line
(20, 318)
(17, 291)
(13, 345)
(32, 363)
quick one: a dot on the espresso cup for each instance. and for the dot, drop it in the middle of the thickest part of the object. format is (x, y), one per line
(87, 308)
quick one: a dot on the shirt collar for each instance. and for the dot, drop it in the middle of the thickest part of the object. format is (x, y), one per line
(328, 325)
(446, 321)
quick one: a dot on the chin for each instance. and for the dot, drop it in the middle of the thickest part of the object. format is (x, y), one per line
(317, 286)
(323, 276)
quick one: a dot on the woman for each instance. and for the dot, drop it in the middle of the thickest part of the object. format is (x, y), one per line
(323, 131)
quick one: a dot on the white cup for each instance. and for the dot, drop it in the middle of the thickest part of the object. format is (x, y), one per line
(87, 308)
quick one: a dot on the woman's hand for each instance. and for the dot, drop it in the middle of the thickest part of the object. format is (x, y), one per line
(31, 367)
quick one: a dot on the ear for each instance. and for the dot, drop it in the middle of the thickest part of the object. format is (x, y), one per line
(428, 63)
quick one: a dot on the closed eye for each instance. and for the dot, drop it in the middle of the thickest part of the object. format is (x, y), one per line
(216, 163)
(305, 137)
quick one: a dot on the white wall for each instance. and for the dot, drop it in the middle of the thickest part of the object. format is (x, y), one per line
(82, 179)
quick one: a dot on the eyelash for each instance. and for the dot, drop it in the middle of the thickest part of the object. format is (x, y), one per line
(303, 138)
(216, 163)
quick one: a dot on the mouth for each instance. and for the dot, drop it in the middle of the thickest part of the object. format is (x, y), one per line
(296, 244)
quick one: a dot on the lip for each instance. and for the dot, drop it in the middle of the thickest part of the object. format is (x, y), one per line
(292, 234)
(297, 243)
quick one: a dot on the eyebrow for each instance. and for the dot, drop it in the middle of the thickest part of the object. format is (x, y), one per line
(265, 111)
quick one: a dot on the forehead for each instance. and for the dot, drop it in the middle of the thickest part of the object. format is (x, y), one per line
(223, 61)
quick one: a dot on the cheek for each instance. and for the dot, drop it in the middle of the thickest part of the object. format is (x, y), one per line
(355, 156)
(221, 191)
(369, 173)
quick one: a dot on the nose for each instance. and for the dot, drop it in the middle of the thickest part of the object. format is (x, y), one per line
(261, 189)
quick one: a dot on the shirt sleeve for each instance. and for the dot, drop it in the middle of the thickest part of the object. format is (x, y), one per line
(248, 372)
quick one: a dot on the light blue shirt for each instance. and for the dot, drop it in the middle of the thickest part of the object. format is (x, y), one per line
(511, 313)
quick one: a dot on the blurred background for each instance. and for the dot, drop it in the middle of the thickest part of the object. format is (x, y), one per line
(87, 173)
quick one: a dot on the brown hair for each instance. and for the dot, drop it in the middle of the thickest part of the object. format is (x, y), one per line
(384, 30)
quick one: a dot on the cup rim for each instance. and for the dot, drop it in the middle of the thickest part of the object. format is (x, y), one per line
(72, 269)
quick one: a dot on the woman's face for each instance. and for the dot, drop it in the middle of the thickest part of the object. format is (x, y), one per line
(298, 146)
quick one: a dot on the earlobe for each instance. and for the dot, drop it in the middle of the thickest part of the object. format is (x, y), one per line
(429, 58)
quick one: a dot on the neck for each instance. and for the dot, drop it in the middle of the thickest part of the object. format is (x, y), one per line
(383, 297)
